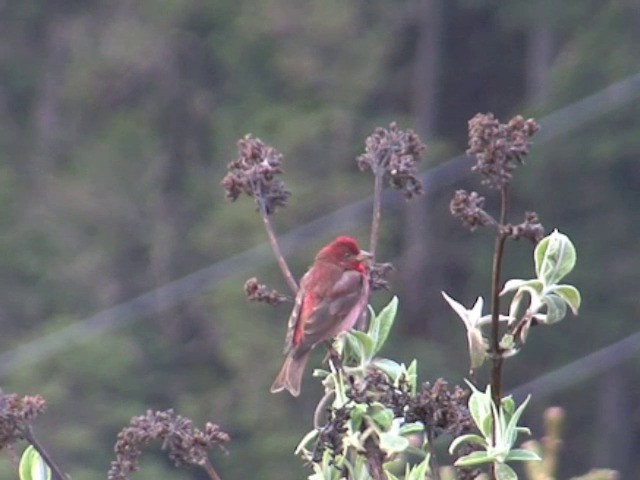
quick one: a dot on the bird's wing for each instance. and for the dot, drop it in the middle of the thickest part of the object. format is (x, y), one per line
(295, 315)
(329, 312)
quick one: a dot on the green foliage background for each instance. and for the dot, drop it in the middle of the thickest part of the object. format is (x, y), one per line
(117, 120)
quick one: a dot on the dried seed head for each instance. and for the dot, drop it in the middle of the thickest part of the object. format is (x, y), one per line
(441, 409)
(259, 292)
(16, 415)
(531, 228)
(394, 153)
(498, 147)
(186, 444)
(468, 207)
(255, 173)
(379, 275)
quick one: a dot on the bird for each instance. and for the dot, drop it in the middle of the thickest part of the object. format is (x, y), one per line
(332, 296)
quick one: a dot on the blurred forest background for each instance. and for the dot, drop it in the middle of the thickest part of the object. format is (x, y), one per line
(117, 120)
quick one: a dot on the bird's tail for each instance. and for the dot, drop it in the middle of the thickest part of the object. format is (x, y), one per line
(290, 376)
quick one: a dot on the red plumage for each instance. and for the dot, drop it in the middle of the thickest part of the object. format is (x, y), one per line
(332, 296)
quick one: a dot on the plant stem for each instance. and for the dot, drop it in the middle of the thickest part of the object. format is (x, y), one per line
(433, 460)
(377, 205)
(56, 472)
(282, 263)
(498, 255)
(213, 475)
(375, 459)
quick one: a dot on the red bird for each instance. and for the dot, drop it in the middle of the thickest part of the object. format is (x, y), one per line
(331, 298)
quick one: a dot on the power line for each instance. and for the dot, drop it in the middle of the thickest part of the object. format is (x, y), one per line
(585, 367)
(554, 124)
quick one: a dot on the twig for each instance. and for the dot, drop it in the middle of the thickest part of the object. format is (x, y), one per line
(498, 255)
(208, 466)
(433, 460)
(375, 459)
(282, 263)
(377, 204)
(324, 402)
(57, 473)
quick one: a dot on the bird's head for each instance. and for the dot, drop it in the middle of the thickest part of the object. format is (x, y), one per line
(345, 252)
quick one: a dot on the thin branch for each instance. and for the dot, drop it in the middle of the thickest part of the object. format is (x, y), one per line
(282, 263)
(498, 255)
(208, 466)
(56, 471)
(321, 408)
(497, 359)
(433, 460)
(377, 204)
(375, 459)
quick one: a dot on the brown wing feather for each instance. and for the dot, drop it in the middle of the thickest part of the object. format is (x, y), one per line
(325, 319)
(295, 314)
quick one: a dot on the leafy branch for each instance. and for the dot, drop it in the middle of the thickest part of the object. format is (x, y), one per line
(499, 149)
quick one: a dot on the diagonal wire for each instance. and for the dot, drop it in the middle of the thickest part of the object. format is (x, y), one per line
(554, 124)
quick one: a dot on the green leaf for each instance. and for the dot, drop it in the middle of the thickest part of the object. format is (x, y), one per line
(412, 375)
(385, 321)
(478, 347)
(521, 455)
(556, 308)
(480, 409)
(306, 440)
(512, 427)
(409, 428)
(487, 425)
(381, 415)
(508, 405)
(505, 472)
(391, 368)
(393, 443)
(391, 476)
(357, 415)
(570, 295)
(533, 285)
(474, 458)
(555, 257)
(419, 471)
(361, 344)
(468, 438)
(32, 466)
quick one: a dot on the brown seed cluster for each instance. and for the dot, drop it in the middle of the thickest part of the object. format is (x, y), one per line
(394, 154)
(499, 147)
(441, 409)
(16, 415)
(255, 173)
(379, 274)
(530, 228)
(259, 292)
(469, 207)
(185, 444)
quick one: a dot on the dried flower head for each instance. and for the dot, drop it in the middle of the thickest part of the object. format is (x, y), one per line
(468, 207)
(441, 409)
(16, 416)
(186, 444)
(378, 387)
(379, 275)
(499, 147)
(259, 292)
(255, 172)
(331, 434)
(531, 228)
(394, 153)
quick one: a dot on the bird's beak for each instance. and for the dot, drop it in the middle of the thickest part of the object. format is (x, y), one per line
(365, 257)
